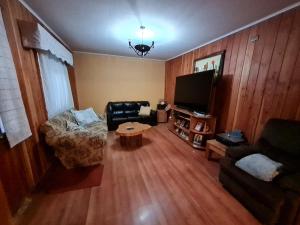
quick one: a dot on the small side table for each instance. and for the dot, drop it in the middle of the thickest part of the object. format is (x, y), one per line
(214, 146)
(162, 116)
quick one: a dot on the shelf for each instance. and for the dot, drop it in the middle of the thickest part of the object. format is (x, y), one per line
(182, 128)
(174, 132)
(201, 132)
(182, 117)
(188, 117)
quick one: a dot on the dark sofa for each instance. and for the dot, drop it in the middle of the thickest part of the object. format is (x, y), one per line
(275, 202)
(127, 111)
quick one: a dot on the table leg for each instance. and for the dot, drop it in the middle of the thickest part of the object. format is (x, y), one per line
(132, 141)
(208, 153)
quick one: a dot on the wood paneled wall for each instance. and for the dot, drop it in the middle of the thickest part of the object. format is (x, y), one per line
(261, 79)
(22, 167)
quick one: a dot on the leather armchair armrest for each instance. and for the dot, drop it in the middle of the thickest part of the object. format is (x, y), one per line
(153, 113)
(238, 152)
(153, 116)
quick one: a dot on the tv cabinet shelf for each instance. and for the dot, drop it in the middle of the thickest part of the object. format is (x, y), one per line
(185, 118)
(191, 128)
(182, 128)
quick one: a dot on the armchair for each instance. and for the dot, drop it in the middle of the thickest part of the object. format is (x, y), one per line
(75, 148)
(276, 202)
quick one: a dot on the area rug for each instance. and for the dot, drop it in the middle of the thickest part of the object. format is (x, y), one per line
(59, 179)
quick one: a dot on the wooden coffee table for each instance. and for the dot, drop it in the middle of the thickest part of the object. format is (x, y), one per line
(131, 133)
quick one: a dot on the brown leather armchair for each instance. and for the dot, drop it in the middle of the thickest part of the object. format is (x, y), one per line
(276, 202)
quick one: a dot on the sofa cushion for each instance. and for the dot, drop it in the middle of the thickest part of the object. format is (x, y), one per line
(130, 113)
(118, 114)
(131, 106)
(145, 111)
(118, 106)
(259, 166)
(85, 116)
(268, 193)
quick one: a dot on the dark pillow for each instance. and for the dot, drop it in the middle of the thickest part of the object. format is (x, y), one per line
(290, 182)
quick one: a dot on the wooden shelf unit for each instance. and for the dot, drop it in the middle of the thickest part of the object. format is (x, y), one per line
(183, 123)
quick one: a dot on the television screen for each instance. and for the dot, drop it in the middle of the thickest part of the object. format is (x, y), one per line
(193, 91)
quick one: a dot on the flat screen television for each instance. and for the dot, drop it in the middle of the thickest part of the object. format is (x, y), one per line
(193, 92)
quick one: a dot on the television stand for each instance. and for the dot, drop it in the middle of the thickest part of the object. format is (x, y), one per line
(193, 128)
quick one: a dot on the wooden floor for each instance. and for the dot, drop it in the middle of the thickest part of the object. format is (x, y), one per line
(163, 182)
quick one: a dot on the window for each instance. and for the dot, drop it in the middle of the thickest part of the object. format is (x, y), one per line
(56, 84)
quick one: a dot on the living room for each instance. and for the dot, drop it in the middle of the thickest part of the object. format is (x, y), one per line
(136, 112)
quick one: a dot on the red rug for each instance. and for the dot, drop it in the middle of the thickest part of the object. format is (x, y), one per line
(59, 179)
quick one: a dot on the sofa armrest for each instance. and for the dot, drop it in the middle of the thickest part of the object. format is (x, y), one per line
(153, 113)
(290, 182)
(153, 116)
(238, 152)
(75, 139)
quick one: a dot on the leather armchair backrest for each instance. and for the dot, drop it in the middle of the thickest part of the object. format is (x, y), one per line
(126, 108)
(283, 135)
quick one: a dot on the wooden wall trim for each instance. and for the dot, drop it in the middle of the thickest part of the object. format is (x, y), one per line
(72, 79)
(23, 167)
(5, 215)
(260, 80)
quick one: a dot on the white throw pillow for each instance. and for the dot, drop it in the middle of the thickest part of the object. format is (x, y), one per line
(145, 111)
(259, 166)
(86, 116)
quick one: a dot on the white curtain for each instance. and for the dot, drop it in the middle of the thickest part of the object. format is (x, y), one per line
(12, 111)
(56, 84)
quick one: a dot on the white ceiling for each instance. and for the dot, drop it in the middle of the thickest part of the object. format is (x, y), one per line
(104, 26)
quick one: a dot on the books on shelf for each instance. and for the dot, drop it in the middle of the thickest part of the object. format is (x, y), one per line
(182, 134)
(199, 126)
(182, 123)
(198, 140)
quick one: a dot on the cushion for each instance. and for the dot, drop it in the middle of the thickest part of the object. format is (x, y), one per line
(259, 166)
(73, 126)
(145, 111)
(85, 116)
(131, 106)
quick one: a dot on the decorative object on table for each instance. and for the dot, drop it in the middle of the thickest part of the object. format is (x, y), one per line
(212, 62)
(141, 49)
(161, 104)
(232, 138)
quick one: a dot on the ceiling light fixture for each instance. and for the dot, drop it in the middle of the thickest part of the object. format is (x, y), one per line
(141, 49)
